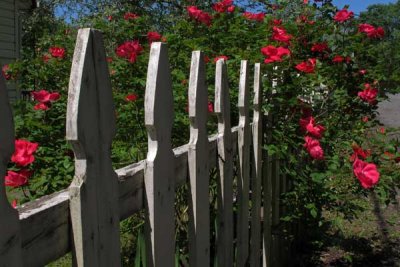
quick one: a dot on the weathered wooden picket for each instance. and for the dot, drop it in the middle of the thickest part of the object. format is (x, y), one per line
(85, 217)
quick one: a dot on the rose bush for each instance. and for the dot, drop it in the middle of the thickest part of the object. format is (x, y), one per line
(319, 91)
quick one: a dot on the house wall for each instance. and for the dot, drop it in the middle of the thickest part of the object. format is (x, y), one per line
(11, 12)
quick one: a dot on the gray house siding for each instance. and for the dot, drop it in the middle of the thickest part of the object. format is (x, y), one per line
(11, 12)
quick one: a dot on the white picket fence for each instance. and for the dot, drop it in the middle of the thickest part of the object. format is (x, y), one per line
(85, 217)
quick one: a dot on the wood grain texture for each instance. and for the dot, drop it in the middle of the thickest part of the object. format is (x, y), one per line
(256, 177)
(90, 130)
(199, 215)
(159, 173)
(225, 163)
(267, 202)
(243, 180)
(46, 222)
(10, 231)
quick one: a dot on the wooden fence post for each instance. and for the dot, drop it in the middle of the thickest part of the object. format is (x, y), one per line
(10, 233)
(244, 168)
(90, 130)
(225, 160)
(267, 202)
(256, 178)
(159, 172)
(199, 225)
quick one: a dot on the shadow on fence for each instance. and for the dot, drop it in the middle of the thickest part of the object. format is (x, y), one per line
(85, 218)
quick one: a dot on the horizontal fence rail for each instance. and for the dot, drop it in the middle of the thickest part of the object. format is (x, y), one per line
(85, 217)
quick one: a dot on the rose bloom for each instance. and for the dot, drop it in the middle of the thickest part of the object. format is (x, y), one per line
(369, 94)
(307, 66)
(57, 52)
(371, 31)
(313, 148)
(277, 22)
(153, 37)
(45, 58)
(131, 97)
(199, 15)
(280, 34)
(320, 47)
(17, 179)
(366, 173)
(362, 72)
(223, 6)
(130, 15)
(308, 124)
(359, 152)
(225, 58)
(5, 71)
(274, 54)
(210, 107)
(41, 106)
(254, 16)
(343, 15)
(44, 96)
(129, 50)
(23, 154)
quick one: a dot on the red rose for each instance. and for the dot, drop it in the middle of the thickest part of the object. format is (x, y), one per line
(16, 179)
(153, 37)
(210, 107)
(343, 15)
(6, 72)
(366, 173)
(223, 6)
(371, 31)
(359, 152)
(23, 154)
(362, 72)
(225, 58)
(199, 15)
(320, 47)
(131, 97)
(45, 58)
(280, 34)
(365, 119)
(129, 50)
(130, 15)
(41, 106)
(44, 96)
(368, 94)
(14, 203)
(307, 66)
(57, 52)
(277, 22)
(231, 9)
(308, 124)
(254, 16)
(313, 148)
(338, 59)
(274, 54)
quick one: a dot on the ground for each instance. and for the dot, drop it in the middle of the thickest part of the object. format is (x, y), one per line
(372, 239)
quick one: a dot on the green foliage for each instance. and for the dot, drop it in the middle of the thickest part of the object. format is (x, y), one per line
(330, 93)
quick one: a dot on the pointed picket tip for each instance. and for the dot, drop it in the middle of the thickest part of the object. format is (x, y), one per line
(243, 85)
(257, 87)
(221, 87)
(197, 87)
(86, 93)
(158, 104)
(90, 128)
